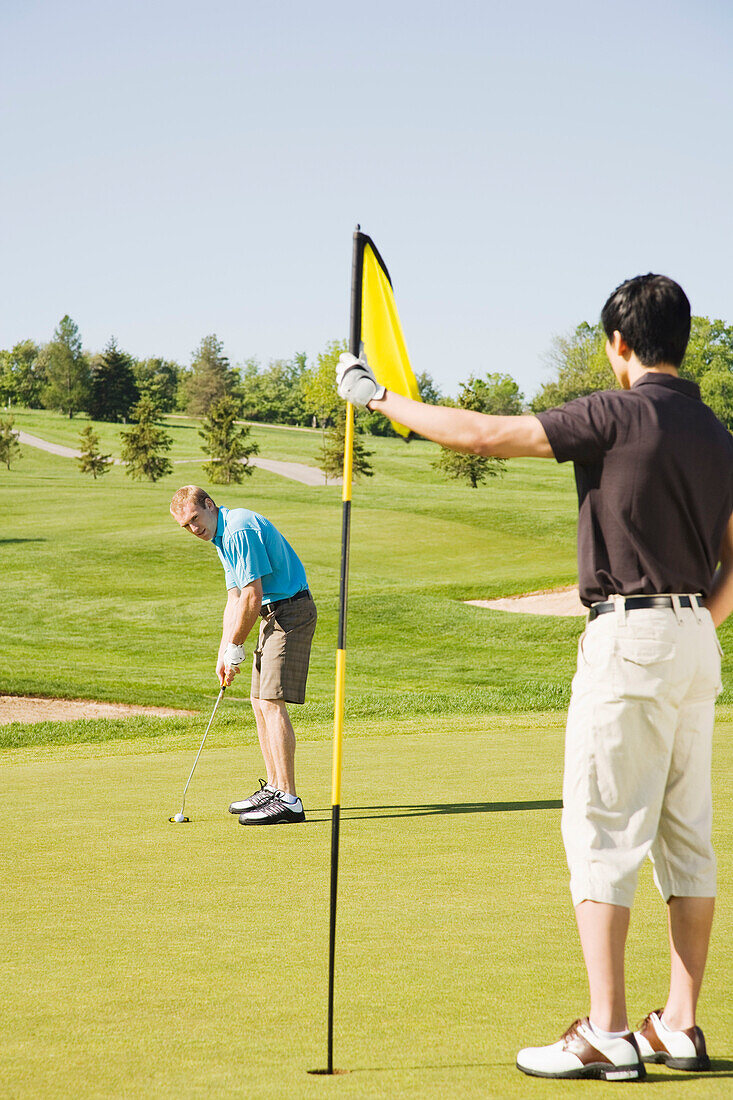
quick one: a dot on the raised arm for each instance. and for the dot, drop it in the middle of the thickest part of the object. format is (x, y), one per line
(463, 430)
(459, 429)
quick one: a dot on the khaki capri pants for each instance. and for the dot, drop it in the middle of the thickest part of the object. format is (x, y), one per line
(638, 754)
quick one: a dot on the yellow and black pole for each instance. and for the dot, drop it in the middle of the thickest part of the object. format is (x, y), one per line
(338, 716)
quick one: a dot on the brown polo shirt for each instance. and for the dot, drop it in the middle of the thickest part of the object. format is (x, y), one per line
(654, 473)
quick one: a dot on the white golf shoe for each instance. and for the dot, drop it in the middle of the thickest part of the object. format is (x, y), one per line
(683, 1049)
(582, 1053)
(264, 794)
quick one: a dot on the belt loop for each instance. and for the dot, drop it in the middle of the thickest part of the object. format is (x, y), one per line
(676, 607)
(619, 607)
(695, 604)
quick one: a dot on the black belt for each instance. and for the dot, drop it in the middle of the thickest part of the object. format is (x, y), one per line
(268, 608)
(631, 603)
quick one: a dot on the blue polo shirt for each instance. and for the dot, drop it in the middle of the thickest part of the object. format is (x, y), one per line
(252, 548)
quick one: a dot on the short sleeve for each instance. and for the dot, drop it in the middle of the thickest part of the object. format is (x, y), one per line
(581, 431)
(250, 555)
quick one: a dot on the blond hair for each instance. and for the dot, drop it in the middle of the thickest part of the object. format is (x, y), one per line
(190, 494)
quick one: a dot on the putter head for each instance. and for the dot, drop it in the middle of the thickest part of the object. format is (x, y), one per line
(177, 819)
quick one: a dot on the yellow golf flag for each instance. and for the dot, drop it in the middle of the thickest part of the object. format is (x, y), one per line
(382, 344)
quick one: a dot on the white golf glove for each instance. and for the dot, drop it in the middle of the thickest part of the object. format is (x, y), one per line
(355, 381)
(234, 655)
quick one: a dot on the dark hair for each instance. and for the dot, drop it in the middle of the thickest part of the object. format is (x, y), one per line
(652, 313)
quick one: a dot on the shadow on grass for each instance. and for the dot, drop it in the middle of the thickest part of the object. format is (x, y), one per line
(11, 542)
(437, 808)
(719, 1067)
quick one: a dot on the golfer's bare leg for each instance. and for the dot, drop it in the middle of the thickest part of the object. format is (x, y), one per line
(280, 742)
(603, 929)
(690, 923)
(264, 742)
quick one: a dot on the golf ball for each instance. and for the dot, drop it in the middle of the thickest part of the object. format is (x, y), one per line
(178, 818)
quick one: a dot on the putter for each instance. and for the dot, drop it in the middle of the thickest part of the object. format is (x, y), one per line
(179, 819)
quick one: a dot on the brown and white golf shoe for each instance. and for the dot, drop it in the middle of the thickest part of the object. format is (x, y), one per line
(582, 1053)
(683, 1049)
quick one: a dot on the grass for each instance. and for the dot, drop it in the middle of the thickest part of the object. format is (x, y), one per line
(145, 959)
(192, 961)
(120, 605)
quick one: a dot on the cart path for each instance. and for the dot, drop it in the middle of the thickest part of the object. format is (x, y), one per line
(294, 471)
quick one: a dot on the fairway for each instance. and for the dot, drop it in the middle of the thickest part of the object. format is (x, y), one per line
(149, 960)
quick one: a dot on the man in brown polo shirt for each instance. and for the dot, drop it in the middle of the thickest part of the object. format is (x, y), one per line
(654, 472)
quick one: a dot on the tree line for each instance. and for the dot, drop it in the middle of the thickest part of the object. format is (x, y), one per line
(114, 386)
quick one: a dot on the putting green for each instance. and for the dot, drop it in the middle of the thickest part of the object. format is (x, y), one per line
(156, 960)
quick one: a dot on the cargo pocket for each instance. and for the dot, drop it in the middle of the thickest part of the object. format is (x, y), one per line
(643, 666)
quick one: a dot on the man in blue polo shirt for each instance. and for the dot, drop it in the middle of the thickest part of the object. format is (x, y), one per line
(264, 578)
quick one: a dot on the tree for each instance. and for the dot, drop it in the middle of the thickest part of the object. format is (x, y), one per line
(498, 390)
(9, 446)
(227, 444)
(273, 394)
(318, 384)
(494, 394)
(581, 367)
(159, 379)
(429, 392)
(67, 370)
(331, 454)
(471, 468)
(210, 377)
(92, 461)
(716, 390)
(113, 390)
(21, 375)
(710, 349)
(144, 444)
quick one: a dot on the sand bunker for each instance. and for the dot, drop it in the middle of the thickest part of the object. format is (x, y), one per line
(554, 601)
(25, 708)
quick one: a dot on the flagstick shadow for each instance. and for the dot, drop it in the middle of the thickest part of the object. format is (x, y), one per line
(434, 1065)
(437, 808)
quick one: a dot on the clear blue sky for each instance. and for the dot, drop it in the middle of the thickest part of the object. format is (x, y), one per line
(172, 169)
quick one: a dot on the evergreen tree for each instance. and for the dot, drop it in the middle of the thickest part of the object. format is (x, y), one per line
(113, 389)
(144, 444)
(471, 468)
(210, 377)
(9, 446)
(331, 454)
(67, 370)
(92, 461)
(159, 379)
(478, 396)
(227, 444)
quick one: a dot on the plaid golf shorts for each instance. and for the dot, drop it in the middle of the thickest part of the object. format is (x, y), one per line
(280, 665)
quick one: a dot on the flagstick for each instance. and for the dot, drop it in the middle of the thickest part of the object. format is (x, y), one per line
(338, 716)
